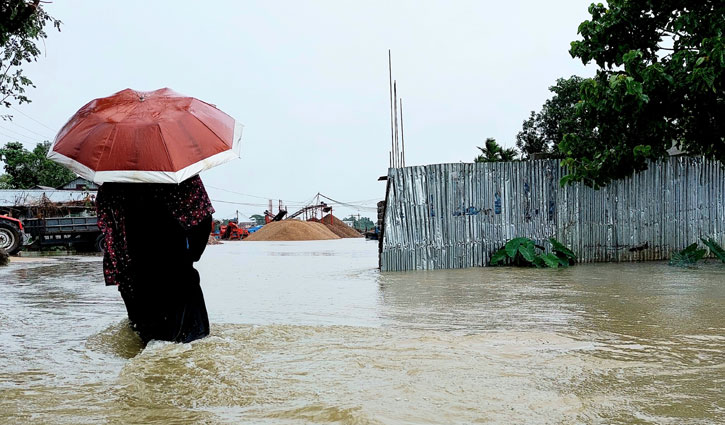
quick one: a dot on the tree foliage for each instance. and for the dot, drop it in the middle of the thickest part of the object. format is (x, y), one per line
(543, 130)
(22, 26)
(493, 152)
(660, 83)
(25, 169)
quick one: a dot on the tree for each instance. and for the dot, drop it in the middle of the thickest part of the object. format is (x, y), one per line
(22, 25)
(5, 181)
(362, 223)
(543, 130)
(660, 84)
(25, 169)
(493, 152)
(258, 219)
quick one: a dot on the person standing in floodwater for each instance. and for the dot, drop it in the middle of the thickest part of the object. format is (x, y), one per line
(153, 235)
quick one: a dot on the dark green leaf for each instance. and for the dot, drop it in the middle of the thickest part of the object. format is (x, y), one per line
(551, 260)
(528, 251)
(715, 248)
(512, 246)
(559, 247)
(539, 262)
(688, 256)
(498, 256)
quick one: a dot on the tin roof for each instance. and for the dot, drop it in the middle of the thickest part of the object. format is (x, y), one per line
(16, 198)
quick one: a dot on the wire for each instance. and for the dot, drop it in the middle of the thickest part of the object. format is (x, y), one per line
(18, 139)
(239, 203)
(253, 196)
(358, 207)
(298, 205)
(23, 113)
(16, 132)
(34, 132)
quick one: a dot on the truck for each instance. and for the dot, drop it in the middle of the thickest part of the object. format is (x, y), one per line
(11, 234)
(80, 233)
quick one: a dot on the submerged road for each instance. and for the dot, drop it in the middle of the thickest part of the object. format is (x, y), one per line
(311, 332)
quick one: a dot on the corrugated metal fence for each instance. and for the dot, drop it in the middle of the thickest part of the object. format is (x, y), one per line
(456, 215)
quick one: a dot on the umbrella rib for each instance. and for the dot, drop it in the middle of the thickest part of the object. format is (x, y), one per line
(108, 145)
(209, 128)
(166, 148)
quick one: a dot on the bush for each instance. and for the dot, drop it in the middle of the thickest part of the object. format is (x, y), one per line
(523, 252)
(693, 253)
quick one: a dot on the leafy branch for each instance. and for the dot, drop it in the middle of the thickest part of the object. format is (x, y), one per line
(22, 26)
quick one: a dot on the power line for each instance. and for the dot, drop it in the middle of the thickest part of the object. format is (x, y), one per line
(254, 196)
(23, 113)
(358, 207)
(18, 139)
(238, 203)
(34, 132)
(16, 132)
(256, 205)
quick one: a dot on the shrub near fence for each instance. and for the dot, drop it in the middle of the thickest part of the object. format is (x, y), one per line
(445, 216)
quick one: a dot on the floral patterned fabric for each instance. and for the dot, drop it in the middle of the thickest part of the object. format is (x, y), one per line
(188, 202)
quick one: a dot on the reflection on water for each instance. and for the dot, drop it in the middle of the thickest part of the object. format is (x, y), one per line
(312, 333)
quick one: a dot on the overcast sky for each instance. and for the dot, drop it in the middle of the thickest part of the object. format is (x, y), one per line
(309, 80)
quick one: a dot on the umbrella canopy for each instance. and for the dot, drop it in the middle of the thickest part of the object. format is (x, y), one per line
(146, 137)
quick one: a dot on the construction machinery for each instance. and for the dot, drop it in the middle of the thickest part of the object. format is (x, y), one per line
(232, 231)
(311, 209)
(269, 217)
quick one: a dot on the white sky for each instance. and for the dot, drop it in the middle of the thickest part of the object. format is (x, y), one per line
(309, 80)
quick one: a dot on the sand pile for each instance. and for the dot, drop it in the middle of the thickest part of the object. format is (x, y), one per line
(339, 228)
(292, 230)
(213, 241)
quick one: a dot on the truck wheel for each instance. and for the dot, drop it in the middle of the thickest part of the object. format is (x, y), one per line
(100, 244)
(10, 239)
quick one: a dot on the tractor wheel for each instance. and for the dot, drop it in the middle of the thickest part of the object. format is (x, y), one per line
(100, 244)
(10, 238)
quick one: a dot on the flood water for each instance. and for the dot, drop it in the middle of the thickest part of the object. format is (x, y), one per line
(311, 332)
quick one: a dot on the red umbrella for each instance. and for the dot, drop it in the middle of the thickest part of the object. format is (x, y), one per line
(150, 137)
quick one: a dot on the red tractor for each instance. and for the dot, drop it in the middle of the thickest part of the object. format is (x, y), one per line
(11, 234)
(232, 231)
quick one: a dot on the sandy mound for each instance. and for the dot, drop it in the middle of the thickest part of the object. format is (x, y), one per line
(213, 241)
(339, 228)
(292, 230)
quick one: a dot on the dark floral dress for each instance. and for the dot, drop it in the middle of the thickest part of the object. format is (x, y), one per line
(153, 235)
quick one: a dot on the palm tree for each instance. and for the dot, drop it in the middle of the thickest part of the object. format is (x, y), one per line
(493, 152)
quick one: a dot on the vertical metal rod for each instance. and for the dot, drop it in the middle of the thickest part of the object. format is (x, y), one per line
(392, 131)
(402, 133)
(396, 150)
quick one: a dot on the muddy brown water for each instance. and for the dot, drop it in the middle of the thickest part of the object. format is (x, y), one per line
(311, 332)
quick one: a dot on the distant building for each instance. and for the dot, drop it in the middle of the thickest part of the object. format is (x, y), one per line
(350, 223)
(79, 183)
